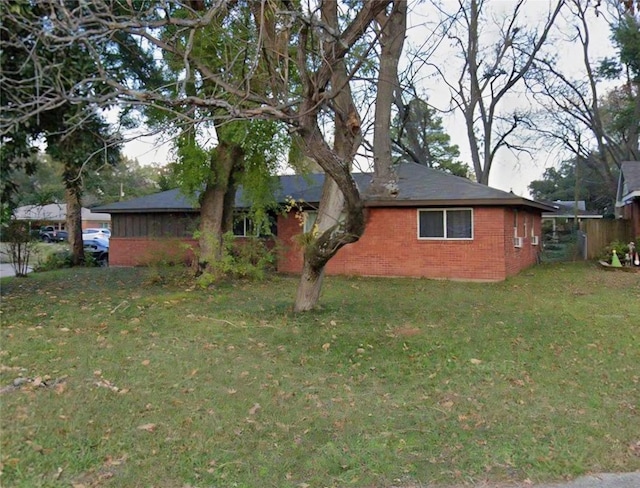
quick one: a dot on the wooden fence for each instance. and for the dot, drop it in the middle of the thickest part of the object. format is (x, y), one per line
(601, 233)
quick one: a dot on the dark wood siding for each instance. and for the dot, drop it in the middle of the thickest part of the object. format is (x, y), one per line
(155, 224)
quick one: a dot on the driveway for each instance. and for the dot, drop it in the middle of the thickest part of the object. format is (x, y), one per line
(6, 269)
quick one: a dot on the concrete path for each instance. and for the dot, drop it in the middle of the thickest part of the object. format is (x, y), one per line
(604, 480)
(6, 269)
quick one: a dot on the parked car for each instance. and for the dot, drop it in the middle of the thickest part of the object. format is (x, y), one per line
(48, 233)
(93, 233)
(98, 249)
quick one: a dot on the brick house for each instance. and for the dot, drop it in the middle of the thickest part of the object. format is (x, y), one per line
(436, 226)
(55, 214)
(628, 196)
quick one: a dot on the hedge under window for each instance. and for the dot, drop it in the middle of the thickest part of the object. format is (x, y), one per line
(445, 224)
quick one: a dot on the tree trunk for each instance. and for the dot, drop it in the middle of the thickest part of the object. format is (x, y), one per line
(393, 28)
(309, 288)
(329, 212)
(341, 213)
(216, 204)
(74, 224)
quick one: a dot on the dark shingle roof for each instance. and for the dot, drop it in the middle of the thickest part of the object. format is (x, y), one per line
(417, 186)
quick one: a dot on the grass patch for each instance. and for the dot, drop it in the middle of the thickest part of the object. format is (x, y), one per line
(152, 382)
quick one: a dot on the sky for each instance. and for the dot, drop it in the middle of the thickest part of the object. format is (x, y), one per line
(509, 172)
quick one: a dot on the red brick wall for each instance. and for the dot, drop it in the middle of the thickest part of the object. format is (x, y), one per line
(517, 259)
(142, 251)
(390, 247)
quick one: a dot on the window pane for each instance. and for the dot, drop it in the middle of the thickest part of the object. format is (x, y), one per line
(432, 224)
(238, 226)
(459, 224)
(309, 221)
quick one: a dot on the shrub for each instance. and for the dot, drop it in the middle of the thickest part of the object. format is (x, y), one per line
(620, 247)
(249, 259)
(56, 260)
(19, 245)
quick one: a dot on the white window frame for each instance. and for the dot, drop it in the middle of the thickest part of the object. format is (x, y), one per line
(444, 217)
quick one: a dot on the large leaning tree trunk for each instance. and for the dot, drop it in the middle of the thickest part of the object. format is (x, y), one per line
(340, 214)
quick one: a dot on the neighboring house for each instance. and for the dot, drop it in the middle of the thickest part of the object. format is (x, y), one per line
(55, 214)
(628, 195)
(437, 226)
(565, 211)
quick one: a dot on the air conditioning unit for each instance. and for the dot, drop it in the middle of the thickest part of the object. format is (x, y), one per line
(535, 240)
(518, 241)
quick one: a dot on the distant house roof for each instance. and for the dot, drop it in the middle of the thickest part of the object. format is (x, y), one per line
(566, 209)
(417, 186)
(55, 212)
(629, 183)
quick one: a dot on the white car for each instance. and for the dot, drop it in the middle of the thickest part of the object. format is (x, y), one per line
(96, 234)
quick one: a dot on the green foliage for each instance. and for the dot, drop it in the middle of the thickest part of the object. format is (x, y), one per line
(20, 245)
(245, 258)
(627, 37)
(621, 248)
(57, 260)
(421, 138)
(560, 184)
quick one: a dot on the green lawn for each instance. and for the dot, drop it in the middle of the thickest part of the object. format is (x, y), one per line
(140, 380)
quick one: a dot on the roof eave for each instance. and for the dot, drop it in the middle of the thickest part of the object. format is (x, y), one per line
(150, 210)
(473, 202)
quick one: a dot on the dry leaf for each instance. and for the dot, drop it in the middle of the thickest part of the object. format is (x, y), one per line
(326, 346)
(146, 362)
(64, 329)
(333, 323)
(254, 410)
(147, 427)
(475, 361)
(60, 387)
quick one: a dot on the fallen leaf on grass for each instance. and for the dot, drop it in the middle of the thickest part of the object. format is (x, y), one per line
(326, 346)
(475, 361)
(635, 448)
(147, 427)
(146, 362)
(255, 409)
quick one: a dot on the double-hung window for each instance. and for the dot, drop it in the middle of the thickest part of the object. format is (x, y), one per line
(243, 226)
(445, 223)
